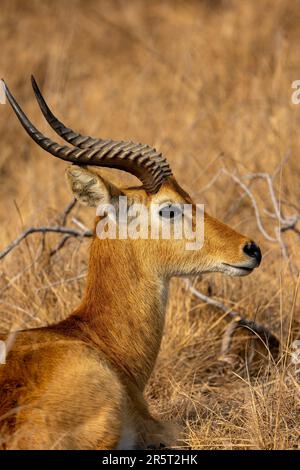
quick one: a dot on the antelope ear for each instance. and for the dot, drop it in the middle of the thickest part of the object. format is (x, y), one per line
(88, 187)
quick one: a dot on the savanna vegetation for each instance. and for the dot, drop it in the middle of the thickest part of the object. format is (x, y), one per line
(209, 84)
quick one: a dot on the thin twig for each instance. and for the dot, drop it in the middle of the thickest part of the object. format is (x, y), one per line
(64, 219)
(67, 211)
(60, 244)
(284, 223)
(53, 229)
(238, 321)
(288, 222)
(254, 204)
(79, 224)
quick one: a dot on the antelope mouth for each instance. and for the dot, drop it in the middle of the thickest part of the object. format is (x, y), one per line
(236, 270)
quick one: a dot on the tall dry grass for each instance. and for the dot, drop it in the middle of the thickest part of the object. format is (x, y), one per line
(209, 84)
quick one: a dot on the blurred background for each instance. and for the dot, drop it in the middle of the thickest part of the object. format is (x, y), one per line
(208, 83)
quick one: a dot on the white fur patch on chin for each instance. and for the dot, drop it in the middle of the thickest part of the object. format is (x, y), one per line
(237, 272)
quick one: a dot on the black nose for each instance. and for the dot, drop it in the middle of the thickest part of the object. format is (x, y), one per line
(252, 250)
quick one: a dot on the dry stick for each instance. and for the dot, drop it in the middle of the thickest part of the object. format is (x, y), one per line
(291, 227)
(64, 218)
(65, 238)
(275, 203)
(267, 337)
(67, 211)
(60, 244)
(79, 224)
(254, 204)
(53, 229)
(68, 232)
(287, 223)
(284, 223)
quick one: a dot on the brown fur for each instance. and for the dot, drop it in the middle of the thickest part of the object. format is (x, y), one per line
(79, 384)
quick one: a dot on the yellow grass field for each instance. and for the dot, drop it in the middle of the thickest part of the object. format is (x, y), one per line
(208, 83)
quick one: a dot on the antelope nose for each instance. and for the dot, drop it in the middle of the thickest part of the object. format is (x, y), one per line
(252, 250)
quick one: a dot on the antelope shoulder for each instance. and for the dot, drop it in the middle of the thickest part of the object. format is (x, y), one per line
(59, 393)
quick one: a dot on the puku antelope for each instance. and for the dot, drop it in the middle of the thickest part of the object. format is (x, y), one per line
(79, 384)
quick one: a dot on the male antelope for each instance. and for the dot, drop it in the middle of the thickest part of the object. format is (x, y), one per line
(79, 384)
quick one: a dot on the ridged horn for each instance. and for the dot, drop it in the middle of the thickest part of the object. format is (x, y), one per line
(141, 160)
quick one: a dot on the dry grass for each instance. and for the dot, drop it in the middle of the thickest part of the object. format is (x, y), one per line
(208, 83)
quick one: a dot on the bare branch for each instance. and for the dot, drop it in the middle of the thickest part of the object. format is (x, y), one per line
(79, 224)
(291, 226)
(268, 339)
(65, 238)
(67, 211)
(254, 204)
(53, 229)
(288, 222)
(262, 332)
(60, 244)
(284, 223)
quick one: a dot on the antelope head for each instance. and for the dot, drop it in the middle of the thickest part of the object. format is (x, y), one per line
(223, 249)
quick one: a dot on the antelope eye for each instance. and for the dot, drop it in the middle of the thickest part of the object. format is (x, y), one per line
(170, 211)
